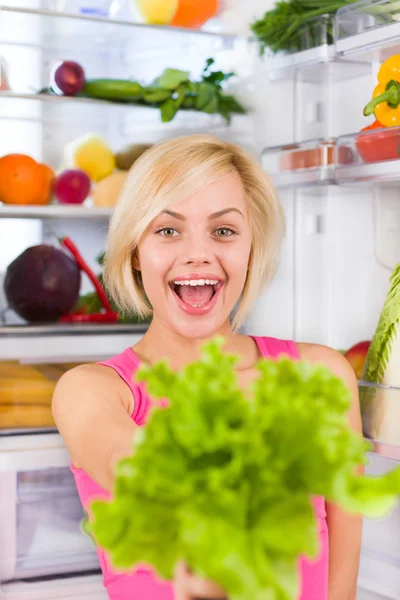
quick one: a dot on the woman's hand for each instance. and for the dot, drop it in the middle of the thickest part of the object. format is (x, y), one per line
(189, 587)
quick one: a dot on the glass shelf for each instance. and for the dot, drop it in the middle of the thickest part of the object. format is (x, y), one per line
(373, 157)
(303, 164)
(54, 211)
(12, 106)
(380, 406)
(70, 24)
(370, 29)
(66, 342)
(5, 95)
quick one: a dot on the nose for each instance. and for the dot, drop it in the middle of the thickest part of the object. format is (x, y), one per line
(197, 250)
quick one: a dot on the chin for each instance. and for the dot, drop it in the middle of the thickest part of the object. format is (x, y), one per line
(198, 329)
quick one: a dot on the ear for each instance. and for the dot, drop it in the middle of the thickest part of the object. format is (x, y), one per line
(135, 261)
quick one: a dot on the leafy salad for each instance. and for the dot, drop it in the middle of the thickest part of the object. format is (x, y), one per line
(224, 480)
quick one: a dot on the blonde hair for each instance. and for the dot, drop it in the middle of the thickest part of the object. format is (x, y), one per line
(165, 175)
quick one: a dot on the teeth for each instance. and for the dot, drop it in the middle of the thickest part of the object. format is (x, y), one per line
(195, 282)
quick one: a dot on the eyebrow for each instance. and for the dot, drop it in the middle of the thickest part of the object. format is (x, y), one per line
(219, 213)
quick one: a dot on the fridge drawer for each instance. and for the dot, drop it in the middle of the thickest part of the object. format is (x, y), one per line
(40, 513)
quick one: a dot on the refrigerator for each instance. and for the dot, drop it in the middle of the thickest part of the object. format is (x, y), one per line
(304, 113)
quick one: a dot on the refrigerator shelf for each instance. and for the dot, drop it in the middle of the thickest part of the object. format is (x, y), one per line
(369, 29)
(373, 157)
(54, 211)
(77, 110)
(67, 329)
(67, 24)
(303, 164)
(66, 343)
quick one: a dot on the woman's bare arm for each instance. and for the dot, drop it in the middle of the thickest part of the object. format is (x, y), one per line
(92, 408)
(345, 531)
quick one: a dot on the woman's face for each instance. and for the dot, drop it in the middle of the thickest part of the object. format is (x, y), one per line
(194, 259)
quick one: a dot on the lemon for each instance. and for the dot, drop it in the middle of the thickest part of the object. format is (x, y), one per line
(92, 154)
(157, 12)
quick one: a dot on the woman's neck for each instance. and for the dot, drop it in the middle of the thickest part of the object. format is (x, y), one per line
(159, 342)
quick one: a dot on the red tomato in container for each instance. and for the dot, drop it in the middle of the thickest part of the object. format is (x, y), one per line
(383, 143)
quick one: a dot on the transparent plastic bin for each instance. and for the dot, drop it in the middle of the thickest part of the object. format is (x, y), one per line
(380, 411)
(374, 156)
(304, 164)
(366, 26)
(41, 525)
(312, 46)
(26, 393)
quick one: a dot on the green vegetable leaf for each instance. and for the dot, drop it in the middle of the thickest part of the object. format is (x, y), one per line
(386, 333)
(293, 26)
(224, 480)
(152, 94)
(206, 93)
(171, 78)
(168, 110)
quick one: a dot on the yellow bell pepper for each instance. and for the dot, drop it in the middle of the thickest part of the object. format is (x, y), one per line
(385, 103)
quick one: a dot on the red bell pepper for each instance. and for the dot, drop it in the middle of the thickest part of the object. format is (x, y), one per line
(382, 144)
(79, 316)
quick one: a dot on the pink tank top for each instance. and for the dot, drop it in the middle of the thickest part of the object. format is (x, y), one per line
(142, 583)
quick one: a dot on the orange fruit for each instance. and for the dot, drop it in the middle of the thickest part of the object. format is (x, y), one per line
(24, 181)
(194, 13)
(48, 184)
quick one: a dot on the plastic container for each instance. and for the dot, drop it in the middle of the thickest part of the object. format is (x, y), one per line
(303, 164)
(312, 46)
(367, 26)
(40, 517)
(374, 156)
(380, 411)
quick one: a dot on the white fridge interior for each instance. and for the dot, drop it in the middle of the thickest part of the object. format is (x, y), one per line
(343, 218)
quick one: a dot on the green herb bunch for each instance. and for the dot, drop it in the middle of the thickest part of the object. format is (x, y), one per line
(179, 92)
(224, 481)
(293, 26)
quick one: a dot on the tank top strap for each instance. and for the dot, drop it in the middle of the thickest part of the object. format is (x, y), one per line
(274, 347)
(126, 364)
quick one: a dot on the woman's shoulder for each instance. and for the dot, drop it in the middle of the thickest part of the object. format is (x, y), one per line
(92, 379)
(333, 359)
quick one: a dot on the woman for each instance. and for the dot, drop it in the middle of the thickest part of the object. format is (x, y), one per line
(197, 229)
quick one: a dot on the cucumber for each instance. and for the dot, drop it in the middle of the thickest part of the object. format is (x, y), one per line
(112, 89)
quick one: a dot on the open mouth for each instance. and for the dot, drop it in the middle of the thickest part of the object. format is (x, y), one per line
(196, 293)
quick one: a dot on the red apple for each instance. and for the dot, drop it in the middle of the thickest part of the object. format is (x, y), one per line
(67, 78)
(72, 186)
(356, 356)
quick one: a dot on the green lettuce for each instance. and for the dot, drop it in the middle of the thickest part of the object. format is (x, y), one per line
(386, 335)
(224, 480)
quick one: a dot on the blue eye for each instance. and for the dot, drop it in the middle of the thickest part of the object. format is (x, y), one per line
(168, 232)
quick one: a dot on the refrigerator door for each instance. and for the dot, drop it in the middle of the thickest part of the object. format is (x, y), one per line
(40, 511)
